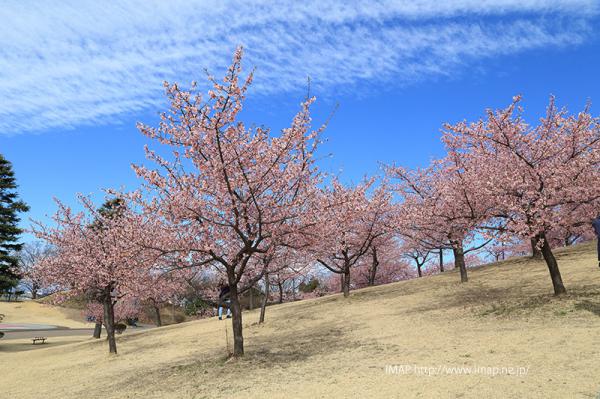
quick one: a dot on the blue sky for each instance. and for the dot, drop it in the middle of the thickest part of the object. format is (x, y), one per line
(75, 77)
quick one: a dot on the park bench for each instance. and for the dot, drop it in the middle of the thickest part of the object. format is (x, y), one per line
(39, 339)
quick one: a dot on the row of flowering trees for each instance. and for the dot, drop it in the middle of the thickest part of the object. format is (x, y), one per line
(101, 255)
(253, 208)
(503, 179)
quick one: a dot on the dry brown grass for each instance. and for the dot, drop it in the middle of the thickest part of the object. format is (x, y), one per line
(41, 313)
(25, 344)
(335, 347)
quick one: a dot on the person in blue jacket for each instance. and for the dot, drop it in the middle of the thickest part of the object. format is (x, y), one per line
(596, 224)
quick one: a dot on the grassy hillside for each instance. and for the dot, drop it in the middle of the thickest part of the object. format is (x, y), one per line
(505, 316)
(75, 306)
(42, 313)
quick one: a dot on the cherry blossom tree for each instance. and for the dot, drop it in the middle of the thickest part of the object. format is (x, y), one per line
(159, 287)
(437, 212)
(95, 255)
(562, 235)
(531, 175)
(383, 264)
(128, 308)
(231, 193)
(349, 220)
(284, 270)
(474, 259)
(506, 248)
(416, 254)
(330, 283)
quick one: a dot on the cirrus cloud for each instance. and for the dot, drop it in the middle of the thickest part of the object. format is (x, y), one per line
(89, 62)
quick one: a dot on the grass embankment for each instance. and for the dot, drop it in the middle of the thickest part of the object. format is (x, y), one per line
(33, 312)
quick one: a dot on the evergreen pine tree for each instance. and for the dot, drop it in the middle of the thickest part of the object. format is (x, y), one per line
(10, 206)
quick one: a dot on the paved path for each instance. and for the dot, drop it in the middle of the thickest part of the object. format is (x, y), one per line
(27, 326)
(53, 331)
(23, 334)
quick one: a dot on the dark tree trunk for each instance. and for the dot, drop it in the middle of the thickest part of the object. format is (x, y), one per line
(263, 305)
(346, 287)
(251, 299)
(109, 322)
(459, 262)
(374, 266)
(158, 319)
(97, 330)
(280, 286)
(535, 252)
(419, 272)
(294, 289)
(236, 312)
(441, 260)
(557, 283)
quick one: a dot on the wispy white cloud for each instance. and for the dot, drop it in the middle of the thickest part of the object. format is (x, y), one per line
(85, 62)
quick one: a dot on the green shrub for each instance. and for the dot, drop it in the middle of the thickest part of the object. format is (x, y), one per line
(120, 327)
(192, 308)
(312, 285)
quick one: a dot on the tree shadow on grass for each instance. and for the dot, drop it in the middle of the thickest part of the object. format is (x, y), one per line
(483, 300)
(298, 345)
(471, 297)
(589, 306)
(576, 299)
(280, 349)
(277, 350)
